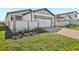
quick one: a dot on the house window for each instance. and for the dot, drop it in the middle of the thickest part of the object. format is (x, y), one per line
(18, 17)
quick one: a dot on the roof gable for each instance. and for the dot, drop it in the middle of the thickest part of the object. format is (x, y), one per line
(46, 10)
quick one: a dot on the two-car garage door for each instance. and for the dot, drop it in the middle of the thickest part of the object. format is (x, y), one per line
(44, 23)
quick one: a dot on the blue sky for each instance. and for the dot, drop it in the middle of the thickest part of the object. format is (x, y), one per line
(3, 11)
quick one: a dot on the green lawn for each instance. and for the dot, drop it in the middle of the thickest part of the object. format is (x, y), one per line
(2, 32)
(75, 27)
(40, 42)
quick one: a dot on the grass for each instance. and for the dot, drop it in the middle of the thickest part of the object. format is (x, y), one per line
(2, 32)
(40, 42)
(75, 27)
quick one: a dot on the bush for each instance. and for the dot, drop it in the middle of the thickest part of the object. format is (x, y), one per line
(38, 30)
(67, 25)
(71, 26)
(23, 31)
(35, 30)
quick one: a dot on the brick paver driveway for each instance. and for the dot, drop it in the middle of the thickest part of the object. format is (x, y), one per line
(69, 32)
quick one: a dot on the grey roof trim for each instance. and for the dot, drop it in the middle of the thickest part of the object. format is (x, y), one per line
(41, 9)
(44, 9)
(30, 11)
(18, 11)
(69, 16)
(27, 13)
(67, 13)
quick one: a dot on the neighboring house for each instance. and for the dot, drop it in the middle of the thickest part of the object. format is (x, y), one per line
(65, 18)
(29, 19)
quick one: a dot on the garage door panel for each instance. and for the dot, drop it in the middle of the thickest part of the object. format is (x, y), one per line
(44, 24)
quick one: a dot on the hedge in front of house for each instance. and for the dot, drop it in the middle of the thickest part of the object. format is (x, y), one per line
(25, 32)
(38, 30)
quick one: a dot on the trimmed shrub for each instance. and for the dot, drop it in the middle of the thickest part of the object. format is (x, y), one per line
(14, 37)
(26, 34)
(23, 31)
(71, 26)
(20, 32)
(38, 30)
(31, 33)
(35, 30)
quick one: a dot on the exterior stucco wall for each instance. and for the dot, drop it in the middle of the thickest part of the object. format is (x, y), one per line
(11, 25)
(21, 25)
(45, 14)
(62, 23)
(26, 17)
(41, 14)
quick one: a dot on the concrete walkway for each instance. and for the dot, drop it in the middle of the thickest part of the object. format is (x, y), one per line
(52, 29)
(69, 32)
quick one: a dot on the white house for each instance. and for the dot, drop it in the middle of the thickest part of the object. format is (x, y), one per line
(65, 18)
(29, 19)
